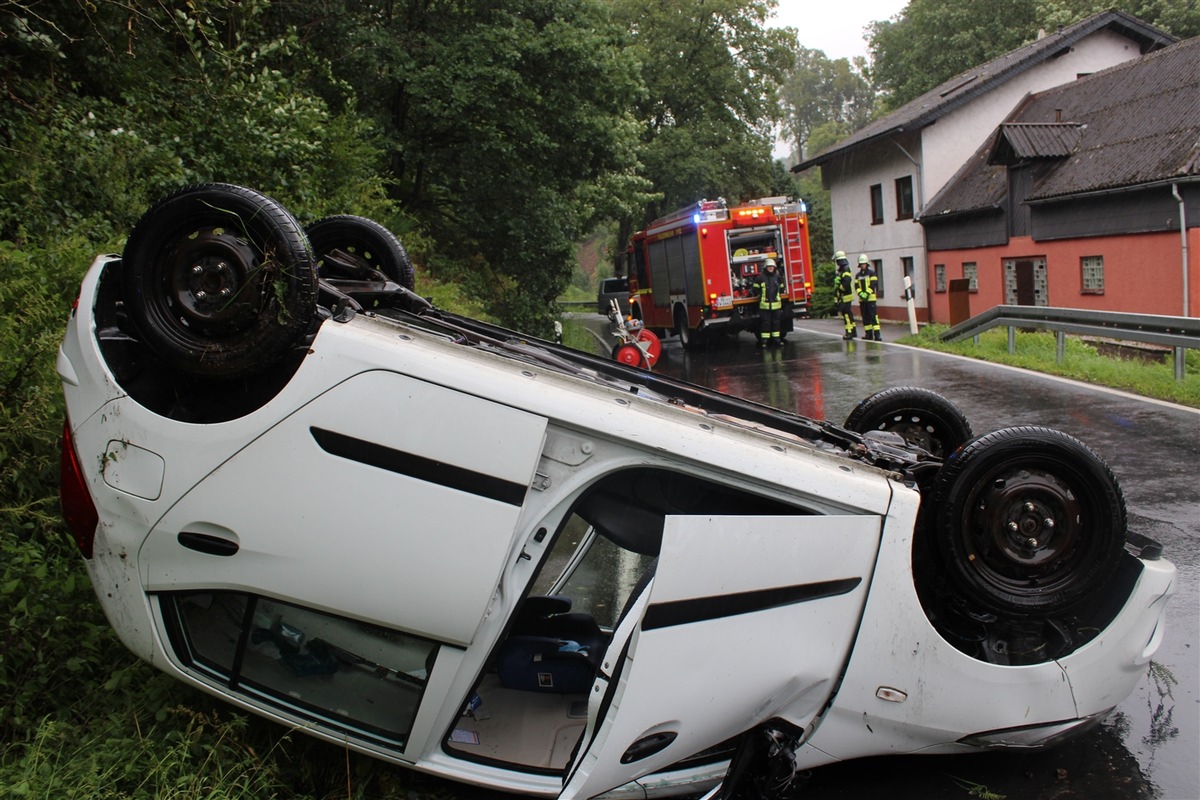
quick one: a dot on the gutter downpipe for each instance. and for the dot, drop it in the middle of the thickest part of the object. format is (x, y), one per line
(917, 212)
(1183, 237)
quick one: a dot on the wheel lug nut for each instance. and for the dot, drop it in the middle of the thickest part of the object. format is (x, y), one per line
(1014, 527)
(1031, 542)
(225, 292)
(197, 270)
(1048, 523)
(1030, 507)
(200, 295)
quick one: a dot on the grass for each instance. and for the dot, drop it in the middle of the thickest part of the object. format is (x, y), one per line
(1081, 361)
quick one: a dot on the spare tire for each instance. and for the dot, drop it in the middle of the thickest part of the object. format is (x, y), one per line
(218, 280)
(923, 418)
(362, 246)
(1028, 522)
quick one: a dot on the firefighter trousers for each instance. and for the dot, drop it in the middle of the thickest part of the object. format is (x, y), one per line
(870, 320)
(768, 324)
(847, 312)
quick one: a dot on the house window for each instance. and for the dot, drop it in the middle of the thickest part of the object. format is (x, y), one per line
(904, 197)
(971, 273)
(1092, 268)
(877, 204)
(877, 265)
(906, 267)
(939, 277)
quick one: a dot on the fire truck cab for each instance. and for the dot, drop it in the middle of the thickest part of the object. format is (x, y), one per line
(697, 270)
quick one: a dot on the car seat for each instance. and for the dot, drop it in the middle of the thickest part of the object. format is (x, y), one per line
(551, 649)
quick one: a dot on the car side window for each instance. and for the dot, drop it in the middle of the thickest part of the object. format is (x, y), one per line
(615, 531)
(346, 674)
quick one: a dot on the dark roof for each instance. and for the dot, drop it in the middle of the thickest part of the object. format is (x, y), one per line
(1018, 141)
(1132, 124)
(968, 85)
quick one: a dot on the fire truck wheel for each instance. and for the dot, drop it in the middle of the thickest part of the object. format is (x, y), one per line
(924, 418)
(219, 280)
(354, 247)
(1028, 522)
(687, 337)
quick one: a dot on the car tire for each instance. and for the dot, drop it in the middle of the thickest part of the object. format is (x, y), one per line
(923, 418)
(1028, 522)
(218, 280)
(369, 246)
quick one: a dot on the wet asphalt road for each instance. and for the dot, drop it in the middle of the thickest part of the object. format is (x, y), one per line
(1149, 748)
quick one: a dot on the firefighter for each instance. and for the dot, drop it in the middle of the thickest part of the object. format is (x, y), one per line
(843, 293)
(770, 301)
(864, 283)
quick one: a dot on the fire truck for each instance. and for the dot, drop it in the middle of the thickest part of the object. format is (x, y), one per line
(696, 271)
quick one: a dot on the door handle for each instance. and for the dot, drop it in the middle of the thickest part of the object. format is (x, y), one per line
(207, 543)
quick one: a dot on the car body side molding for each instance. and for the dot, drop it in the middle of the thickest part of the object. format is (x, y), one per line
(419, 467)
(682, 612)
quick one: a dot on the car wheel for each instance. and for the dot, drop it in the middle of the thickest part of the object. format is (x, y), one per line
(219, 280)
(1028, 521)
(923, 418)
(364, 245)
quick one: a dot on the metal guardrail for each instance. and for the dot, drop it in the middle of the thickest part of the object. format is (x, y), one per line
(1178, 333)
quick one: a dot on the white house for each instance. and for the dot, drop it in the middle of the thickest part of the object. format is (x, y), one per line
(880, 177)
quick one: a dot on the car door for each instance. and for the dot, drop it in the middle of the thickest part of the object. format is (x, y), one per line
(746, 619)
(386, 499)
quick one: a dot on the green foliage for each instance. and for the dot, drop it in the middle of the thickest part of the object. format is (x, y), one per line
(823, 302)
(1081, 361)
(932, 40)
(52, 638)
(820, 94)
(707, 114)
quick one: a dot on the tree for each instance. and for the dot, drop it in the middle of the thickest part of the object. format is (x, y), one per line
(819, 92)
(933, 40)
(508, 129)
(1180, 19)
(109, 106)
(708, 108)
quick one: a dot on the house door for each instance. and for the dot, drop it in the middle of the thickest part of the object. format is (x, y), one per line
(1026, 295)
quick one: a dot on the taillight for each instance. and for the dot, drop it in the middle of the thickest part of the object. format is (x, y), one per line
(77, 507)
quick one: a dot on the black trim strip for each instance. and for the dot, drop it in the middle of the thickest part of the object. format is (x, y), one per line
(419, 467)
(682, 612)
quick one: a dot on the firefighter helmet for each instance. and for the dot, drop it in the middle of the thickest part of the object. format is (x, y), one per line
(863, 259)
(839, 256)
(770, 263)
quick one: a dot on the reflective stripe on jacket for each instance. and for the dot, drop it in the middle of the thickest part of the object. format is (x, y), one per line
(770, 288)
(865, 284)
(843, 285)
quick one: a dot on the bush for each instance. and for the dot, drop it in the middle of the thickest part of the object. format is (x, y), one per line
(823, 302)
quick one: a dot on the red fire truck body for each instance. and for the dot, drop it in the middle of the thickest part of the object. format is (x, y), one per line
(697, 270)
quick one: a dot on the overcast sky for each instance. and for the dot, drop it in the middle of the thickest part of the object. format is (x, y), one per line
(834, 26)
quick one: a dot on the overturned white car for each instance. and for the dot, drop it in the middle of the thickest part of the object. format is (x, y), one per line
(300, 488)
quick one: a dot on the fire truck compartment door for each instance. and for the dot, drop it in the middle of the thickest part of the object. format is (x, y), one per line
(746, 618)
